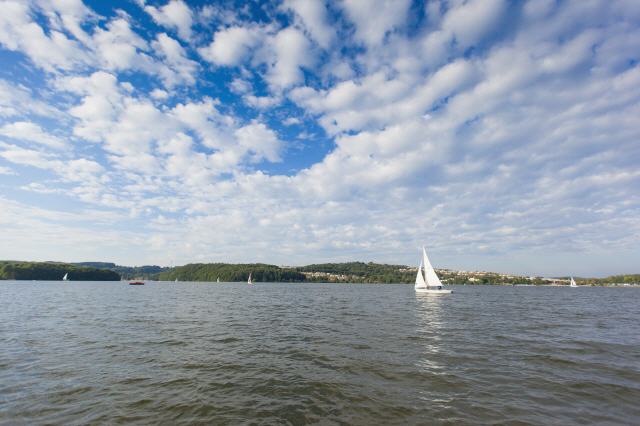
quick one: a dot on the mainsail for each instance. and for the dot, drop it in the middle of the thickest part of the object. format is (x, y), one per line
(429, 273)
(573, 283)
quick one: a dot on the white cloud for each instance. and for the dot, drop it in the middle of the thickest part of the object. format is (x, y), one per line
(374, 19)
(99, 107)
(231, 46)
(28, 131)
(182, 69)
(261, 141)
(175, 14)
(313, 14)
(7, 171)
(159, 94)
(67, 15)
(17, 100)
(118, 46)
(471, 21)
(78, 170)
(240, 86)
(262, 102)
(50, 51)
(286, 53)
(290, 121)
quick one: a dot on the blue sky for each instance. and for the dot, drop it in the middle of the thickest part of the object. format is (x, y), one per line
(503, 135)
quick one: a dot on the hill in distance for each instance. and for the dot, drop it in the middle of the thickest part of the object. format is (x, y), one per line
(349, 272)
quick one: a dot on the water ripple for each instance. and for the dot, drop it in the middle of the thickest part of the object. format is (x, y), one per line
(77, 353)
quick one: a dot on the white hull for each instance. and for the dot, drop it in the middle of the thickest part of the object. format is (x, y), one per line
(433, 291)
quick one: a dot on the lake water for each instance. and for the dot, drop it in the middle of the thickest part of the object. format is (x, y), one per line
(85, 352)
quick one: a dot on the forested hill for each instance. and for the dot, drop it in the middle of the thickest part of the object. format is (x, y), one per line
(128, 272)
(227, 272)
(350, 272)
(15, 270)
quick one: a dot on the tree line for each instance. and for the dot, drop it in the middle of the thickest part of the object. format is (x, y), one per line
(227, 272)
(15, 270)
(351, 272)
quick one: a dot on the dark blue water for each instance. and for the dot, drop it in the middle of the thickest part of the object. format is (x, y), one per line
(84, 352)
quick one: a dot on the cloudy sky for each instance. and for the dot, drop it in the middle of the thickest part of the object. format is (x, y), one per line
(503, 135)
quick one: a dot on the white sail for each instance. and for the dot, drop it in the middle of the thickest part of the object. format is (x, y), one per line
(176, 280)
(420, 282)
(430, 274)
(249, 281)
(573, 283)
(66, 277)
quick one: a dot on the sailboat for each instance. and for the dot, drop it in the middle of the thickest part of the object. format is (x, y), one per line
(249, 281)
(427, 280)
(66, 277)
(572, 283)
(218, 280)
(176, 280)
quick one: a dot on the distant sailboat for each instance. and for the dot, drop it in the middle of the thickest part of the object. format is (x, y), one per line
(66, 277)
(572, 283)
(176, 280)
(249, 281)
(218, 280)
(427, 280)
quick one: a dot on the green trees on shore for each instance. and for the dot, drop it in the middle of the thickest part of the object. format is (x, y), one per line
(14, 270)
(231, 272)
(349, 272)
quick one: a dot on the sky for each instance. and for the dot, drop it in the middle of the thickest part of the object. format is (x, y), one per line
(502, 135)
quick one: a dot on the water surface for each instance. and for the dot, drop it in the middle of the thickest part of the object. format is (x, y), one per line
(89, 352)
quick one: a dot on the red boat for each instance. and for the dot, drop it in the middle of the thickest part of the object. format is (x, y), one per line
(136, 282)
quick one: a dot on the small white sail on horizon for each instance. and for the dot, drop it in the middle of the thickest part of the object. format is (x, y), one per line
(427, 280)
(218, 280)
(249, 281)
(572, 283)
(66, 277)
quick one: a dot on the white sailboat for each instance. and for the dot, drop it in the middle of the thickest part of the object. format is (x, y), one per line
(218, 280)
(176, 280)
(572, 283)
(427, 280)
(66, 277)
(249, 281)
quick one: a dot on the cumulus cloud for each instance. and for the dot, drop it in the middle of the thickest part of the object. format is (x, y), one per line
(288, 52)
(374, 19)
(50, 51)
(182, 69)
(18, 100)
(260, 140)
(118, 46)
(28, 131)
(313, 17)
(174, 14)
(471, 21)
(231, 46)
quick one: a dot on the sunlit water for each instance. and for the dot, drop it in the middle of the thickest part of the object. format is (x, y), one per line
(84, 352)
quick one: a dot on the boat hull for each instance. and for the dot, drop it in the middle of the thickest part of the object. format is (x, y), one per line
(433, 291)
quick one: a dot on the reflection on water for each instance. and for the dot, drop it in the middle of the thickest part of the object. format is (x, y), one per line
(188, 353)
(429, 323)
